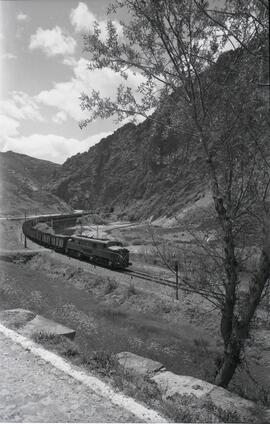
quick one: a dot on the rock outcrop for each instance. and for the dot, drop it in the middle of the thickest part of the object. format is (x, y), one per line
(132, 172)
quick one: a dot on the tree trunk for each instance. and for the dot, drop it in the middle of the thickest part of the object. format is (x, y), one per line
(231, 268)
(240, 329)
(235, 331)
(230, 361)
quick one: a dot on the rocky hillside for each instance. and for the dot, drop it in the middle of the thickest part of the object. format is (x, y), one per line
(23, 179)
(132, 172)
(141, 172)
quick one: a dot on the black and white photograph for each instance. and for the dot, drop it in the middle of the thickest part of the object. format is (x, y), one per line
(134, 211)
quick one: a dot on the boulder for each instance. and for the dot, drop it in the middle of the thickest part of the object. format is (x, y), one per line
(203, 395)
(41, 324)
(16, 318)
(28, 323)
(136, 365)
(189, 396)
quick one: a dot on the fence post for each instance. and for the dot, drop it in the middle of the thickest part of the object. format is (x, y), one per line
(176, 281)
(25, 241)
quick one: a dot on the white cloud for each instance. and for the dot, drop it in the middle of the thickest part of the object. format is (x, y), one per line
(70, 61)
(8, 56)
(60, 117)
(65, 95)
(84, 20)
(22, 17)
(50, 146)
(52, 42)
(9, 128)
(21, 106)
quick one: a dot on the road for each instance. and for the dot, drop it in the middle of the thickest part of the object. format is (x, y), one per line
(38, 386)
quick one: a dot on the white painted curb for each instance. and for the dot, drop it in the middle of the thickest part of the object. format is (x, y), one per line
(96, 385)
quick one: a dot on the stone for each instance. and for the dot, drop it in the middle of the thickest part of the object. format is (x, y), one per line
(171, 384)
(41, 324)
(16, 318)
(137, 365)
(175, 387)
(27, 322)
(188, 391)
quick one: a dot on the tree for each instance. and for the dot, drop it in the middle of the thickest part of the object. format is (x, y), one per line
(216, 105)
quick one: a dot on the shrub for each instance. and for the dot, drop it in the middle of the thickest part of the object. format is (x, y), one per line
(113, 314)
(110, 286)
(45, 337)
(137, 242)
(102, 361)
(131, 290)
(62, 344)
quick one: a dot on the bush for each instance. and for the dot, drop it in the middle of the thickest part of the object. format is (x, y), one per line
(190, 409)
(113, 314)
(45, 337)
(101, 361)
(137, 242)
(131, 290)
(91, 219)
(110, 286)
(62, 344)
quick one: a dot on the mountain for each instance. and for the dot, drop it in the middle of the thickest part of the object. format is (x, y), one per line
(142, 171)
(132, 172)
(23, 181)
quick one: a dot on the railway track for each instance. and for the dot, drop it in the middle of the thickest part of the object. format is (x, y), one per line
(131, 272)
(149, 277)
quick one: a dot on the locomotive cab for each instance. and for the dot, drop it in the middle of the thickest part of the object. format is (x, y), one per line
(122, 255)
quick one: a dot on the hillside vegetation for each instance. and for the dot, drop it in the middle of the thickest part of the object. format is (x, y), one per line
(23, 179)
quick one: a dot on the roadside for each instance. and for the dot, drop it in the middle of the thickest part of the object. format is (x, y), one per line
(38, 386)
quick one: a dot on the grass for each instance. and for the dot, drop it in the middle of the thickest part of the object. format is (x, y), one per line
(131, 290)
(63, 345)
(110, 285)
(111, 318)
(190, 409)
(182, 409)
(100, 360)
(113, 314)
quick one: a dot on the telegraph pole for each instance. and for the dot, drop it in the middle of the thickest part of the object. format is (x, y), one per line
(176, 281)
(25, 241)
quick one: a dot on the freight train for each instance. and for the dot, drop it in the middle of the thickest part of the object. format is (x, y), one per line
(100, 251)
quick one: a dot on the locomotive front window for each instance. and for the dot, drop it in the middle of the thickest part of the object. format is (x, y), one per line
(114, 243)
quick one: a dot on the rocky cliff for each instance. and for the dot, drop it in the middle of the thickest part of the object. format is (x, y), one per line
(133, 172)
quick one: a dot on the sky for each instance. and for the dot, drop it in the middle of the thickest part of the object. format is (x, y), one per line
(43, 71)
